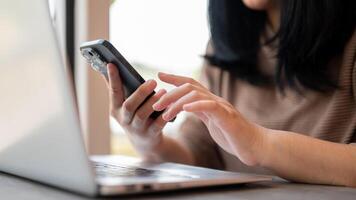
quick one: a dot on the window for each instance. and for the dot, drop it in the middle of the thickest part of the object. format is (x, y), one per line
(158, 35)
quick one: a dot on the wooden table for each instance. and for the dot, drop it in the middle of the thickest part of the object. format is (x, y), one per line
(14, 188)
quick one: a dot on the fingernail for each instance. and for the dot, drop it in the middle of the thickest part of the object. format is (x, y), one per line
(155, 106)
(165, 116)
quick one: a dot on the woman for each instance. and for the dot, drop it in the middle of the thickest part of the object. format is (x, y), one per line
(277, 94)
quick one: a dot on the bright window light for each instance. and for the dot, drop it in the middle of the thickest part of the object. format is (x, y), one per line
(159, 34)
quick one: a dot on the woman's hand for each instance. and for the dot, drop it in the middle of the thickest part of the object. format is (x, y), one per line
(144, 132)
(227, 127)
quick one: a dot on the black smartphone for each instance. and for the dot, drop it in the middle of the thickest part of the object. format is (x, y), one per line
(100, 52)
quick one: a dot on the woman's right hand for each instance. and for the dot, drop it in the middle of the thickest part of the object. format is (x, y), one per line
(144, 132)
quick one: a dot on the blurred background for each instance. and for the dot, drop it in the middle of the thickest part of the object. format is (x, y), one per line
(153, 35)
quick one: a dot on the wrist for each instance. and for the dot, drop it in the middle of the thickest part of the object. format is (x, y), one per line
(262, 149)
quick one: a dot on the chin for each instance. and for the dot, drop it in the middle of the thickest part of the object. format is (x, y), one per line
(257, 4)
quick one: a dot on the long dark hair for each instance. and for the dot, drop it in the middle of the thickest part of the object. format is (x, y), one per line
(311, 33)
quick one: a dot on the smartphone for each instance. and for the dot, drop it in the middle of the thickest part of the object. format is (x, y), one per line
(100, 52)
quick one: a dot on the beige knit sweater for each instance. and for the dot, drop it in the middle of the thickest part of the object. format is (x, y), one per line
(329, 116)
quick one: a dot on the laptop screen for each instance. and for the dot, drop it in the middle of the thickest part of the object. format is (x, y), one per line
(39, 126)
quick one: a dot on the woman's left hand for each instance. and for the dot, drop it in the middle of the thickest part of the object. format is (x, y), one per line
(229, 129)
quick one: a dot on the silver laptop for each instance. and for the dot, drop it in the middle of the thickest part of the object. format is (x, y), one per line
(40, 136)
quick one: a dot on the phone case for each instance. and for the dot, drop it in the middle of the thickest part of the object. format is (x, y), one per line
(107, 53)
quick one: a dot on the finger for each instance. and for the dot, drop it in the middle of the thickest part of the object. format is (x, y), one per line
(145, 110)
(134, 101)
(177, 106)
(115, 86)
(173, 96)
(175, 79)
(215, 111)
(157, 125)
(205, 106)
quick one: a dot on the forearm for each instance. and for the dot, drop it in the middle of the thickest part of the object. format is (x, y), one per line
(291, 155)
(304, 159)
(169, 150)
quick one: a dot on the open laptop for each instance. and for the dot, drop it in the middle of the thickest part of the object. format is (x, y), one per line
(40, 136)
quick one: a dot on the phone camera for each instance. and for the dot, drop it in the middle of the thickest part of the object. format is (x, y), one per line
(94, 60)
(87, 54)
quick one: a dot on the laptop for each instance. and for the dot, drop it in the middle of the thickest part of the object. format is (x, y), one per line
(40, 130)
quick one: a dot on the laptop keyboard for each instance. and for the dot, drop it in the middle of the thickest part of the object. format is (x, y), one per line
(105, 170)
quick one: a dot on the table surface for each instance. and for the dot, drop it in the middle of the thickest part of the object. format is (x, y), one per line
(16, 188)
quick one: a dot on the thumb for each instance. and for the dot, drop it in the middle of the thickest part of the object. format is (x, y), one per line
(116, 91)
